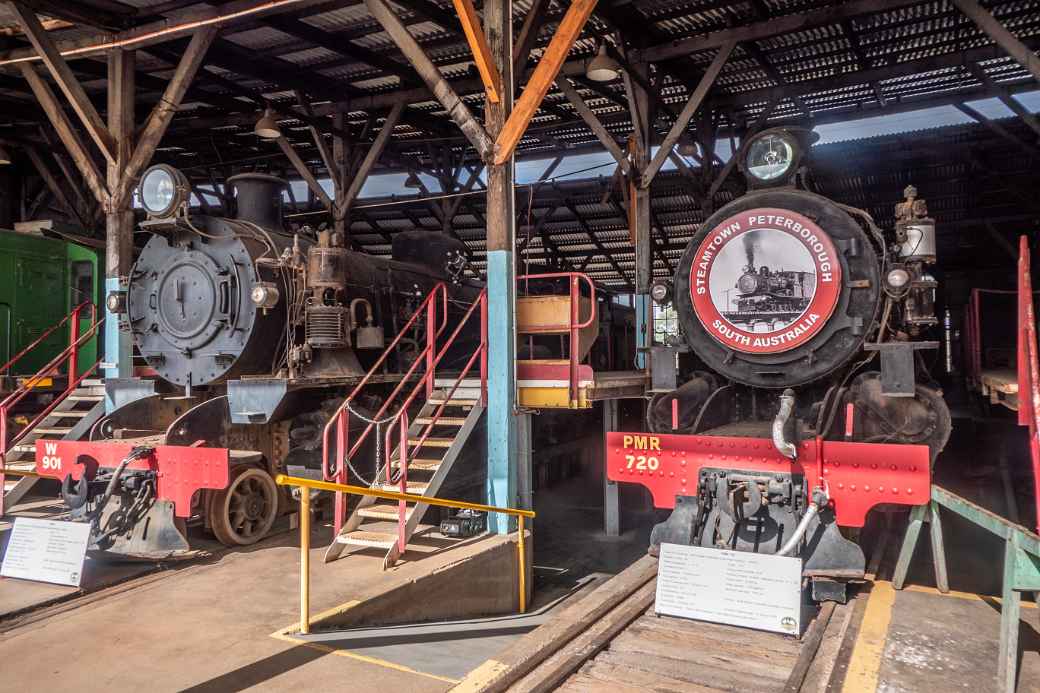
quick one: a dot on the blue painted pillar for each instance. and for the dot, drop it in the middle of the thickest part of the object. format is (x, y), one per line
(503, 459)
(118, 360)
(502, 470)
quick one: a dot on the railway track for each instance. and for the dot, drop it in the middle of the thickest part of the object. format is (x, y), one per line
(611, 640)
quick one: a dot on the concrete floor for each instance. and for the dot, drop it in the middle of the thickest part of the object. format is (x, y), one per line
(214, 624)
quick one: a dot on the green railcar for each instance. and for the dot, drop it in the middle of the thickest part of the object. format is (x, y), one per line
(41, 281)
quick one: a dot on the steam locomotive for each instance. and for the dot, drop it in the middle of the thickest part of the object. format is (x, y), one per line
(770, 297)
(256, 335)
(771, 428)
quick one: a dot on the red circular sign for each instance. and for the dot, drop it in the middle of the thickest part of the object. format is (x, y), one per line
(765, 281)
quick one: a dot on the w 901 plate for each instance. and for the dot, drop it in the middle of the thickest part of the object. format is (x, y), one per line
(857, 476)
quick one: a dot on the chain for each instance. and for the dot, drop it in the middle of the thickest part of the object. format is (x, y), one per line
(378, 423)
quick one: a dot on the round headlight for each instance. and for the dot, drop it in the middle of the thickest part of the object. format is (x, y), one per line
(661, 292)
(898, 278)
(770, 157)
(162, 190)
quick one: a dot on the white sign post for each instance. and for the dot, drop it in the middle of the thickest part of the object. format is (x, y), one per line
(733, 587)
(47, 551)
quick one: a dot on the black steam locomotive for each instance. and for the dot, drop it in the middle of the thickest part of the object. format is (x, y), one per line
(256, 334)
(772, 425)
(770, 297)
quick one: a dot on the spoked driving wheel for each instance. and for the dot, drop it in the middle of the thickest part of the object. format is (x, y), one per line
(243, 513)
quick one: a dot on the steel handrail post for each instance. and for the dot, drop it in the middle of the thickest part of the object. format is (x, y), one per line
(3, 457)
(483, 347)
(522, 563)
(402, 506)
(73, 336)
(305, 560)
(431, 341)
(388, 471)
(340, 501)
(574, 349)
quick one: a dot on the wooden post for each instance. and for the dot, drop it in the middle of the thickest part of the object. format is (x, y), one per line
(119, 218)
(341, 173)
(502, 476)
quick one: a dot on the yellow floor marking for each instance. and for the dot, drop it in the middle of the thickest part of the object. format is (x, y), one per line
(361, 658)
(961, 595)
(865, 663)
(478, 679)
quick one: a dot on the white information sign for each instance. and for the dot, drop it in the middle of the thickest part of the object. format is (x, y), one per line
(733, 587)
(46, 550)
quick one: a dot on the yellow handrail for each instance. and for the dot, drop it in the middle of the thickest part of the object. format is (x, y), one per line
(305, 529)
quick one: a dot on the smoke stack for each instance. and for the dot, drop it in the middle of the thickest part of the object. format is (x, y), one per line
(258, 198)
(749, 249)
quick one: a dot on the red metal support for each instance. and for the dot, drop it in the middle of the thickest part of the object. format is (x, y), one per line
(1028, 368)
(402, 457)
(483, 350)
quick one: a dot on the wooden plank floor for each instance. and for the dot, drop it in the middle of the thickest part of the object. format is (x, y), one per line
(673, 654)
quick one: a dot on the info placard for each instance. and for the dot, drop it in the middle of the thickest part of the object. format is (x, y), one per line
(46, 550)
(732, 587)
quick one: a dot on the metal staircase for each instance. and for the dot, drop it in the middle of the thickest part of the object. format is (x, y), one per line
(71, 419)
(421, 451)
(69, 415)
(422, 474)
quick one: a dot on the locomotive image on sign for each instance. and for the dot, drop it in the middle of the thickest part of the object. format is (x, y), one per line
(766, 281)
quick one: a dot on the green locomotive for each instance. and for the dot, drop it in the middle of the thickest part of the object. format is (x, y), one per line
(41, 281)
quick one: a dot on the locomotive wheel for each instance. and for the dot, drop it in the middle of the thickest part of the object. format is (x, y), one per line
(243, 513)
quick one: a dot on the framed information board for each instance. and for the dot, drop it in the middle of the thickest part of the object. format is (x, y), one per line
(733, 587)
(46, 550)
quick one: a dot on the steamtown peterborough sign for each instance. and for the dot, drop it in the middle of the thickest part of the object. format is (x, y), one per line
(765, 281)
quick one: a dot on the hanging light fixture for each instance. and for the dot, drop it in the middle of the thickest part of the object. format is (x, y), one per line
(603, 68)
(687, 147)
(5, 157)
(412, 181)
(267, 126)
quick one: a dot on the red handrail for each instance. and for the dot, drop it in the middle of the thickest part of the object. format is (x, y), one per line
(435, 326)
(1028, 368)
(46, 333)
(70, 354)
(427, 380)
(575, 324)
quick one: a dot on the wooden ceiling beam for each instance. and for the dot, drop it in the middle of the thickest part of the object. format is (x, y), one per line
(692, 105)
(431, 75)
(543, 77)
(66, 81)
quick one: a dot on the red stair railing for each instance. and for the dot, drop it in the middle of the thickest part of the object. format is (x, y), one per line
(435, 308)
(69, 355)
(73, 334)
(403, 455)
